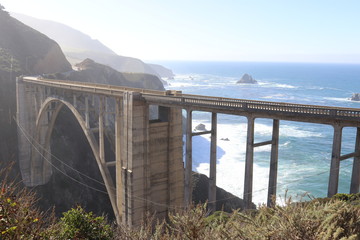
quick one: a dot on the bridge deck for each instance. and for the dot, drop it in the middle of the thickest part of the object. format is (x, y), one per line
(243, 107)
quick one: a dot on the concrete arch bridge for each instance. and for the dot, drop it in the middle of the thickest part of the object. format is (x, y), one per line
(150, 172)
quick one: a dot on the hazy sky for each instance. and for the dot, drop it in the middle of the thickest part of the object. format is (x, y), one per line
(244, 30)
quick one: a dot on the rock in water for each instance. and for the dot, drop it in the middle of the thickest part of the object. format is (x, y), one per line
(225, 201)
(225, 139)
(355, 97)
(246, 78)
(200, 127)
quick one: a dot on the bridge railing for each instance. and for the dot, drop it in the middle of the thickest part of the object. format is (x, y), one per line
(175, 97)
(90, 87)
(242, 104)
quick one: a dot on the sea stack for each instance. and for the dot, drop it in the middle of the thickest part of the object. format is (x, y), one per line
(246, 78)
(200, 127)
(355, 97)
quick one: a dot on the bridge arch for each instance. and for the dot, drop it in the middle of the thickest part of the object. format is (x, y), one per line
(45, 122)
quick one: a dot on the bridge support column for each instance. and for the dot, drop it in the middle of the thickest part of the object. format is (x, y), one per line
(188, 160)
(134, 155)
(249, 161)
(355, 177)
(335, 161)
(152, 177)
(119, 178)
(34, 170)
(26, 119)
(273, 164)
(212, 179)
(175, 159)
(87, 118)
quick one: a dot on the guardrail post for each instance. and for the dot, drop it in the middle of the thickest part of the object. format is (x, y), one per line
(335, 161)
(355, 177)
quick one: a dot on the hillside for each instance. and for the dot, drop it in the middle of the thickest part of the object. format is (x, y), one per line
(29, 50)
(78, 46)
(93, 72)
(23, 50)
(70, 40)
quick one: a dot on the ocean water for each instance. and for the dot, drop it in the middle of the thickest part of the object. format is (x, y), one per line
(305, 149)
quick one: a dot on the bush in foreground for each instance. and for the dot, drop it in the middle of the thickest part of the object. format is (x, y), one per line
(79, 224)
(316, 219)
(335, 218)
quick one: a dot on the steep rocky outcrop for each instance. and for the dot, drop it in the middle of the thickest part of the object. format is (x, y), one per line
(225, 200)
(162, 71)
(90, 71)
(246, 78)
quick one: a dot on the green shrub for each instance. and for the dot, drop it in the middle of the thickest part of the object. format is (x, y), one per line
(79, 224)
(347, 197)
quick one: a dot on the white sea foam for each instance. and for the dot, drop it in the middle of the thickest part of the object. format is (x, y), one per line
(275, 85)
(231, 156)
(338, 99)
(285, 131)
(291, 131)
(279, 96)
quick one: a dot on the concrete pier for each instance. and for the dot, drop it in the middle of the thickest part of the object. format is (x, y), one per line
(273, 164)
(249, 162)
(213, 160)
(188, 160)
(355, 176)
(335, 161)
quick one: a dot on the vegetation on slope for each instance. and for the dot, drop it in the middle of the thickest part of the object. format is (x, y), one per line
(335, 218)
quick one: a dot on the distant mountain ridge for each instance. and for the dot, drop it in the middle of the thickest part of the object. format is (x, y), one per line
(73, 40)
(78, 46)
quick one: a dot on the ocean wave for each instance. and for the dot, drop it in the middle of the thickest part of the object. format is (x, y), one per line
(279, 96)
(338, 99)
(267, 148)
(276, 85)
(231, 163)
(291, 131)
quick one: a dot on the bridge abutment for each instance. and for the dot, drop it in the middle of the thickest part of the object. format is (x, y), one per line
(34, 170)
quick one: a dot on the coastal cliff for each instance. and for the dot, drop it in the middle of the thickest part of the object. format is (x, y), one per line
(23, 50)
(90, 71)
